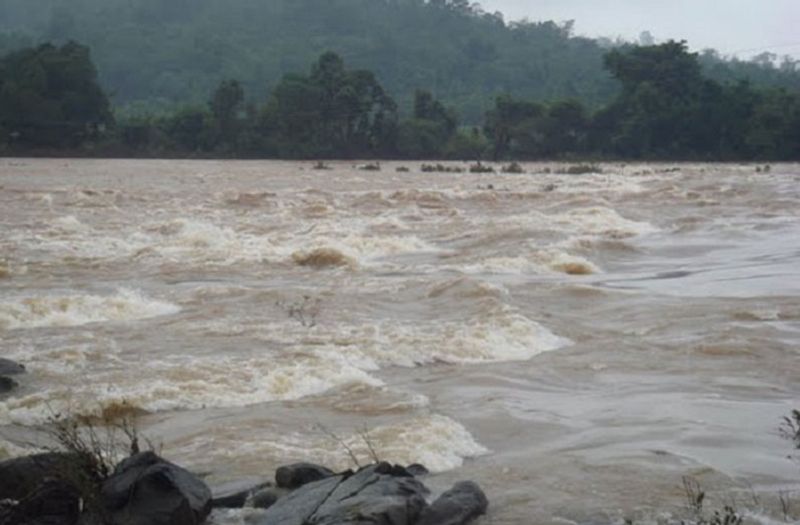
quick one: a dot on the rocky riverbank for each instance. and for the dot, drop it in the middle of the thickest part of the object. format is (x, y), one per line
(145, 489)
(79, 487)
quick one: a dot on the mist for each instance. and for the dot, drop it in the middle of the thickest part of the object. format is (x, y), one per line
(741, 27)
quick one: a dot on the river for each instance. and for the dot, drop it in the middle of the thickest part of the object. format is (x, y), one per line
(576, 344)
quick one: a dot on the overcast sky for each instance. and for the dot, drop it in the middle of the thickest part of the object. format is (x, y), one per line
(744, 27)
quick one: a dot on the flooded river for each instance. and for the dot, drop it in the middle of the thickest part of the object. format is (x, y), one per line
(576, 344)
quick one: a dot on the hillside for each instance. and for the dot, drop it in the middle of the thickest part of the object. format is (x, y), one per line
(153, 54)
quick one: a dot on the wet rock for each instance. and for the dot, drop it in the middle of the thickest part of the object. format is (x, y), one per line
(51, 503)
(370, 496)
(148, 490)
(7, 384)
(265, 498)
(417, 470)
(299, 474)
(300, 504)
(458, 506)
(10, 368)
(19, 477)
(234, 495)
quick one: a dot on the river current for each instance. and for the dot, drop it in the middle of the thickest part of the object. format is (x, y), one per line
(576, 344)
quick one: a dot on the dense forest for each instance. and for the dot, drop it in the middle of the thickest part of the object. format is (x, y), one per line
(50, 100)
(455, 83)
(152, 55)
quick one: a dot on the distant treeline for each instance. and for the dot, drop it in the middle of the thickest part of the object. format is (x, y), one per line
(51, 101)
(154, 55)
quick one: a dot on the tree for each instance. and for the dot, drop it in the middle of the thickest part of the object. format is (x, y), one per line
(190, 129)
(49, 96)
(428, 132)
(227, 105)
(669, 68)
(510, 123)
(662, 91)
(333, 112)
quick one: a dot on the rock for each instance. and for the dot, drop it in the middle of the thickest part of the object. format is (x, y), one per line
(458, 506)
(10, 368)
(370, 496)
(265, 498)
(148, 490)
(300, 504)
(7, 384)
(19, 477)
(299, 474)
(417, 470)
(234, 495)
(51, 503)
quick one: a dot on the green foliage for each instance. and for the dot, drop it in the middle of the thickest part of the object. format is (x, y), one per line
(510, 124)
(466, 145)
(184, 48)
(333, 112)
(666, 109)
(49, 97)
(431, 131)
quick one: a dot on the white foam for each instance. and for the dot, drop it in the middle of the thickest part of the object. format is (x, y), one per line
(501, 265)
(189, 240)
(495, 336)
(10, 450)
(194, 240)
(312, 361)
(539, 261)
(562, 262)
(79, 309)
(69, 224)
(594, 220)
(436, 441)
(599, 220)
(188, 383)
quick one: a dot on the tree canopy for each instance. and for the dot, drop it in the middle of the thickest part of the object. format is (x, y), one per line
(155, 55)
(49, 96)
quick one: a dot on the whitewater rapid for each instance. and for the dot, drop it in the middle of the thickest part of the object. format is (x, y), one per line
(574, 343)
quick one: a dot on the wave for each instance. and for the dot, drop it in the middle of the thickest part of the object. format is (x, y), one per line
(189, 383)
(322, 258)
(436, 441)
(201, 242)
(80, 309)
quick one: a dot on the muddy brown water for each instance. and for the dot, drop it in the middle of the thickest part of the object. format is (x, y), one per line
(575, 344)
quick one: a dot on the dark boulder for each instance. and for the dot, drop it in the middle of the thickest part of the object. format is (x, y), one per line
(10, 368)
(19, 477)
(51, 503)
(235, 494)
(417, 470)
(295, 508)
(299, 474)
(373, 496)
(148, 490)
(265, 498)
(7, 384)
(458, 506)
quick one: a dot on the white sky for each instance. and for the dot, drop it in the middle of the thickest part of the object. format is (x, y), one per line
(742, 27)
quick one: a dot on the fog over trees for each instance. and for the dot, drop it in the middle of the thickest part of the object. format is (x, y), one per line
(372, 78)
(154, 54)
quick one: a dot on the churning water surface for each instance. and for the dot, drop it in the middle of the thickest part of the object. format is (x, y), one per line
(575, 344)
